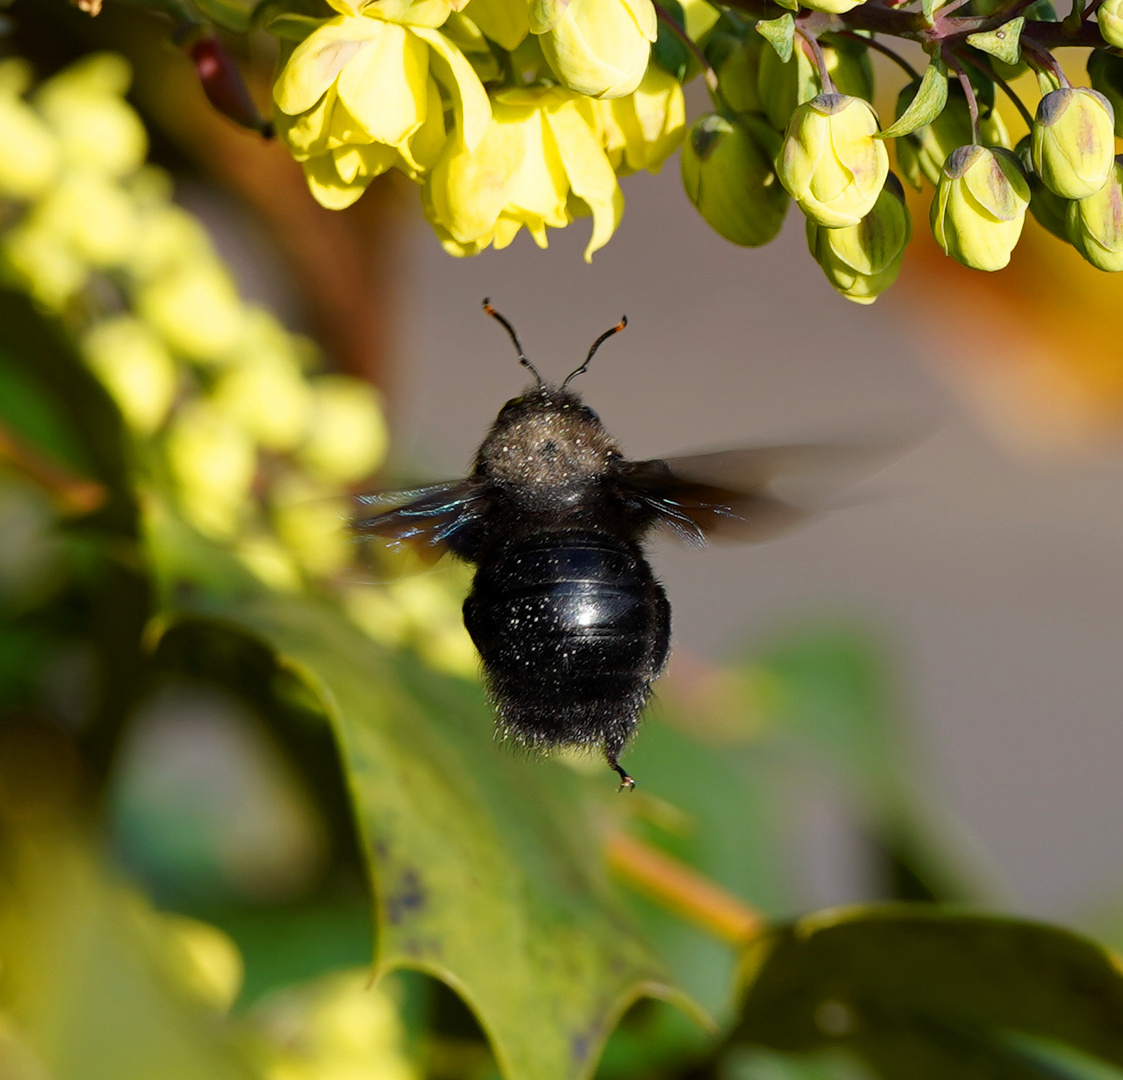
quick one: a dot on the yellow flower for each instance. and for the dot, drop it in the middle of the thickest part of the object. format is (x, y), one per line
(347, 434)
(1074, 141)
(1095, 223)
(641, 131)
(358, 97)
(540, 162)
(863, 260)
(831, 163)
(980, 206)
(596, 47)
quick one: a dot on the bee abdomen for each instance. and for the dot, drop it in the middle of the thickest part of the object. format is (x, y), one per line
(572, 628)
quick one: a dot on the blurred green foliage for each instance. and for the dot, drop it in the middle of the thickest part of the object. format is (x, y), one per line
(223, 761)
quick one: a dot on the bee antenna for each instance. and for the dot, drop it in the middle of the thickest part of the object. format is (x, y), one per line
(596, 345)
(515, 338)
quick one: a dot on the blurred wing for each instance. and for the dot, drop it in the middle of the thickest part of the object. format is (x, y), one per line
(751, 494)
(431, 520)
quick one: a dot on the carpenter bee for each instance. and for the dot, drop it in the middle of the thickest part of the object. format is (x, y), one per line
(571, 625)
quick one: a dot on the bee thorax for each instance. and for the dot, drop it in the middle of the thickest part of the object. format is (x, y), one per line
(546, 449)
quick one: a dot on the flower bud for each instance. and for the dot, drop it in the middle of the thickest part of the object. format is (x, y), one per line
(922, 153)
(861, 261)
(1095, 223)
(597, 47)
(1105, 70)
(830, 162)
(1109, 16)
(1074, 141)
(224, 86)
(736, 61)
(1048, 208)
(728, 174)
(980, 206)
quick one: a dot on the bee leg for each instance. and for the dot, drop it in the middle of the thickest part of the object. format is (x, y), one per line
(626, 782)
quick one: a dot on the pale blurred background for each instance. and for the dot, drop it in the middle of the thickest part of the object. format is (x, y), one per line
(990, 567)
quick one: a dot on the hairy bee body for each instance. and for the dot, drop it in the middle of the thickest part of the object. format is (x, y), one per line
(572, 628)
(570, 623)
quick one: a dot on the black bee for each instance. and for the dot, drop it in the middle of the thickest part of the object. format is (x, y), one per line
(571, 625)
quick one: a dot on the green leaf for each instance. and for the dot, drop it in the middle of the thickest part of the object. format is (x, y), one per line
(928, 9)
(928, 102)
(233, 15)
(487, 865)
(1004, 43)
(919, 992)
(780, 34)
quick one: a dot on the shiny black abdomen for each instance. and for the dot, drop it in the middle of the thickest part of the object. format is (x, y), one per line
(572, 628)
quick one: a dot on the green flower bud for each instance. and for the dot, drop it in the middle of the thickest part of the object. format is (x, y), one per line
(728, 173)
(782, 86)
(1074, 141)
(736, 60)
(1109, 16)
(1095, 223)
(980, 206)
(830, 162)
(922, 153)
(863, 260)
(1105, 70)
(1049, 209)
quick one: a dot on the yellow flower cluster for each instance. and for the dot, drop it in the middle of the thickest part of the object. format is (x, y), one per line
(510, 115)
(233, 426)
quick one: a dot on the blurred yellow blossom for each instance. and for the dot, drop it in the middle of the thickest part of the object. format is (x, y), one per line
(539, 154)
(31, 153)
(196, 308)
(213, 462)
(337, 1028)
(93, 215)
(265, 391)
(311, 520)
(347, 435)
(97, 129)
(44, 263)
(136, 368)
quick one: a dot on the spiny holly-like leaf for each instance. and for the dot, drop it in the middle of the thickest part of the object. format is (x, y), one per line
(780, 34)
(487, 865)
(919, 992)
(1005, 42)
(928, 102)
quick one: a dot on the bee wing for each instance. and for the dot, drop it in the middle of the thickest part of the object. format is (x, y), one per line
(750, 494)
(431, 520)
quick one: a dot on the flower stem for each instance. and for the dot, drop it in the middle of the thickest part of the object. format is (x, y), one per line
(1006, 87)
(812, 46)
(968, 90)
(679, 31)
(893, 55)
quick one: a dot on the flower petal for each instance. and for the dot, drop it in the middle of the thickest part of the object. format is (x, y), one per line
(316, 62)
(469, 98)
(590, 174)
